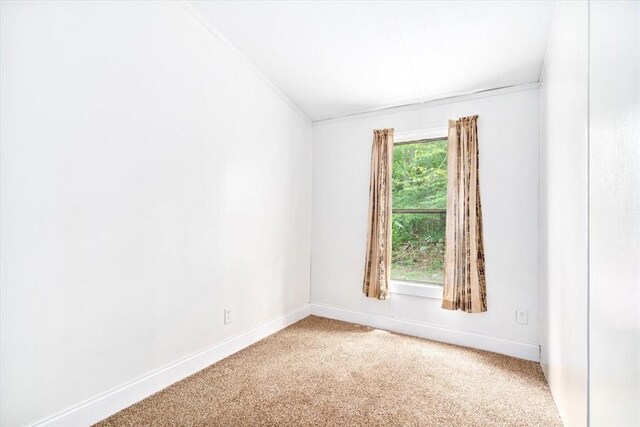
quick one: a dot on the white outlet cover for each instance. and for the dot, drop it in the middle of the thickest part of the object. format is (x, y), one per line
(228, 315)
(522, 316)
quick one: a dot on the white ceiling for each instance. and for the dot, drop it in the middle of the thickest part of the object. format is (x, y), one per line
(333, 58)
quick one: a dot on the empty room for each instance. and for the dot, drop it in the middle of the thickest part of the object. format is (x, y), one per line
(319, 213)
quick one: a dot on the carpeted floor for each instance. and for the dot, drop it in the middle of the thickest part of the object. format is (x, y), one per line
(322, 372)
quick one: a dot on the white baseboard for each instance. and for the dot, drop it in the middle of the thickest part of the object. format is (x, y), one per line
(432, 332)
(101, 407)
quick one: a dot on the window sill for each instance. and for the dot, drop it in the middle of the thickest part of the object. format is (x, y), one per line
(415, 289)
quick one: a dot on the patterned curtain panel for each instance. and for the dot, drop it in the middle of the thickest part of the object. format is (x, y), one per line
(377, 270)
(464, 281)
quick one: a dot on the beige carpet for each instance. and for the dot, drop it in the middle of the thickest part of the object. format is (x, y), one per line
(322, 372)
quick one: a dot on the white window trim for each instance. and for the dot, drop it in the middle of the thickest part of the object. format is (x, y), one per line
(423, 290)
(416, 135)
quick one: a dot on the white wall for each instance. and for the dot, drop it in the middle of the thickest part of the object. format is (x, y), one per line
(149, 178)
(563, 213)
(614, 209)
(508, 137)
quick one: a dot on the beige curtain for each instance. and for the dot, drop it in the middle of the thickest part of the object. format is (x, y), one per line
(464, 280)
(377, 270)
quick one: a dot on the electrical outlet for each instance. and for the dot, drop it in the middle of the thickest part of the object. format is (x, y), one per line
(522, 316)
(228, 315)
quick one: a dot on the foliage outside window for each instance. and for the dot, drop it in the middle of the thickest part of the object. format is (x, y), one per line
(419, 188)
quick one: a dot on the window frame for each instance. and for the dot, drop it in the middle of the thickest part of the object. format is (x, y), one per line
(404, 287)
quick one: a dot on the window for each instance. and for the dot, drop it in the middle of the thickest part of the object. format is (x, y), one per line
(419, 189)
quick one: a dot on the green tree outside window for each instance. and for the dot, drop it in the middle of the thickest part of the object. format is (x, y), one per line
(419, 189)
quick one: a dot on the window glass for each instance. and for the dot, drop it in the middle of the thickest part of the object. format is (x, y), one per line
(419, 186)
